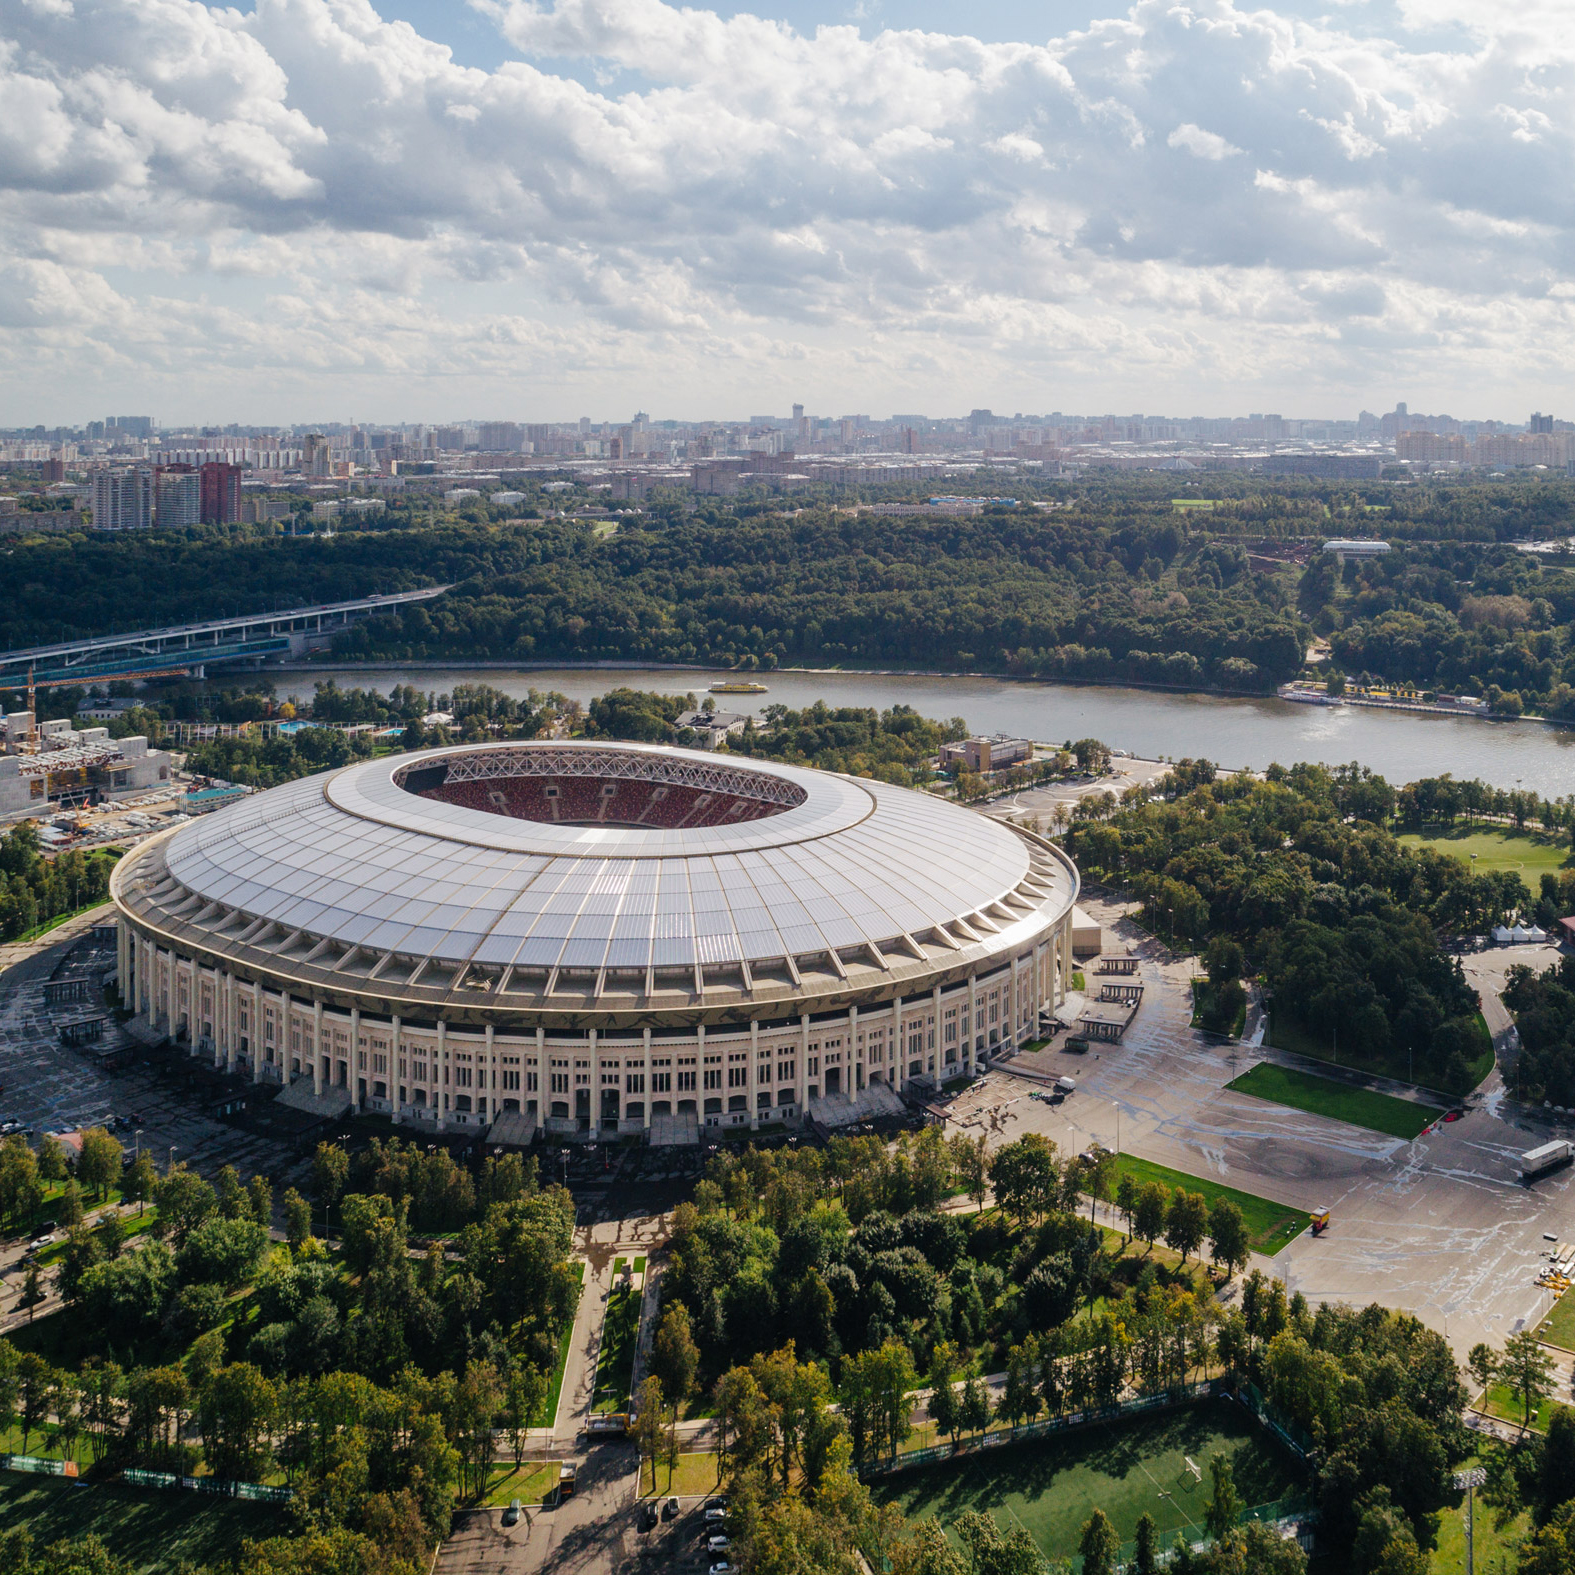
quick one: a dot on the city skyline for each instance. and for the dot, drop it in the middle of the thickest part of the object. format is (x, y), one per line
(239, 217)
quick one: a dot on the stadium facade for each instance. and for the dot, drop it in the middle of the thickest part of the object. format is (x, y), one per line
(596, 937)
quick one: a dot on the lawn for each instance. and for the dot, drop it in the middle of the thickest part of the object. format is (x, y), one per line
(530, 1484)
(1558, 1328)
(1285, 1033)
(1322, 1096)
(615, 1358)
(1270, 1225)
(695, 1474)
(1499, 1402)
(1051, 1486)
(154, 1529)
(1496, 1546)
(1529, 853)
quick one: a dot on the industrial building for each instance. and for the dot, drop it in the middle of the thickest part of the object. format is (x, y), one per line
(69, 766)
(595, 938)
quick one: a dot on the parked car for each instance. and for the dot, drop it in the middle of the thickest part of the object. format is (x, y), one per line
(648, 1516)
(715, 1510)
(723, 1568)
(511, 1516)
(670, 1509)
(716, 1544)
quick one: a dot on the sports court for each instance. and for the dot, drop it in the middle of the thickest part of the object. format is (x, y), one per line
(1126, 1468)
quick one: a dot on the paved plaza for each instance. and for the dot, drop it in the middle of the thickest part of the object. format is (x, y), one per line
(1440, 1226)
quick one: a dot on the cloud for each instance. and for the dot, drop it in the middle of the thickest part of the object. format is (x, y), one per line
(1201, 144)
(1178, 201)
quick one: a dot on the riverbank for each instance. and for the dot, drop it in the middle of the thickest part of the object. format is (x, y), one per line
(1241, 731)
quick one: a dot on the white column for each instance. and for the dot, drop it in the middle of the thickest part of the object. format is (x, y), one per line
(257, 1032)
(802, 1091)
(355, 1048)
(853, 1060)
(752, 1081)
(282, 1049)
(123, 963)
(317, 1047)
(973, 1019)
(490, 1076)
(230, 1022)
(442, 1051)
(394, 1053)
(650, 1089)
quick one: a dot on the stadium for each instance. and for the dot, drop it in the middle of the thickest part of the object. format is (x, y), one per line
(595, 939)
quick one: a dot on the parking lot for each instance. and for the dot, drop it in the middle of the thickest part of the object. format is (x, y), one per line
(1440, 1226)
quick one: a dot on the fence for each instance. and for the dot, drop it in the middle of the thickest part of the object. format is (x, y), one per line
(1046, 1429)
(267, 1493)
(36, 1463)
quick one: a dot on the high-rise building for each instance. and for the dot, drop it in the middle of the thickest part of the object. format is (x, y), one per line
(499, 436)
(134, 426)
(177, 495)
(221, 493)
(123, 499)
(1540, 422)
(315, 457)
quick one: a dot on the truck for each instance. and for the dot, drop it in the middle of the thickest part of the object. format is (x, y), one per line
(1538, 1162)
(566, 1473)
(607, 1424)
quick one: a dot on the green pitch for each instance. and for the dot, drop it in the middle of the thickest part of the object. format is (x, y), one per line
(1531, 854)
(1128, 1468)
(1322, 1096)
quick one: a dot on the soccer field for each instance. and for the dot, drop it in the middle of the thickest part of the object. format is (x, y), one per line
(1323, 1096)
(1128, 1468)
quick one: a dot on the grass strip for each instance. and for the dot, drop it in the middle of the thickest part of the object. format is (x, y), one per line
(1558, 1328)
(1322, 1096)
(1270, 1225)
(615, 1358)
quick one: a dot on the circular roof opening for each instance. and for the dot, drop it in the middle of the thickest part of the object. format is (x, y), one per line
(601, 787)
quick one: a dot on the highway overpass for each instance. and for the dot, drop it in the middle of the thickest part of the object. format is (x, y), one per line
(192, 648)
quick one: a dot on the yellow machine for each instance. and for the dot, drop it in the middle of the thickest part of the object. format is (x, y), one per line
(1320, 1221)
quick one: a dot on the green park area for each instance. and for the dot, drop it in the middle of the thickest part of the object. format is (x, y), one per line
(615, 1359)
(1270, 1225)
(155, 1529)
(1127, 1468)
(1530, 854)
(1287, 1033)
(1322, 1096)
(1558, 1328)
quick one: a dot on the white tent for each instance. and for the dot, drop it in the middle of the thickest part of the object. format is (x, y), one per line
(1502, 935)
(1536, 933)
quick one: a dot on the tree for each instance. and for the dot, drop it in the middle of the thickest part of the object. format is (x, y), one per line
(1527, 1370)
(1127, 1198)
(1223, 1509)
(1482, 1364)
(976, 1410)
(98, 1166)
(970, 1162)
(35, 1381)
(1145, 1559)
(650, 1423)
(236, 1413)
(297, 1217)
(1186, 1223)
(140, 1181)
(1153, 1208)
(1099, 1545)
(259, 1194)
(675, 1358)
(523, 1398)
(1020, 1395)
(330, 1173)
(32, 1289)
(946, 1410)
(1025, 1176)
(51, 1159)
(68, 1206)
(183, 1200)
(1228, 1237)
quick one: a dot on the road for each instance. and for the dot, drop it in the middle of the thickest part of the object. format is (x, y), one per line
(1439, 1226)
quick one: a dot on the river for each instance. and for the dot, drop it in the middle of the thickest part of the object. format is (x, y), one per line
(1150, 723)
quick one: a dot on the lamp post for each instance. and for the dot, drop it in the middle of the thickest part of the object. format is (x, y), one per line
(1471, 1480)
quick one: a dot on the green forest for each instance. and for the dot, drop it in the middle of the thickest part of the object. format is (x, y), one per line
(1108, 581)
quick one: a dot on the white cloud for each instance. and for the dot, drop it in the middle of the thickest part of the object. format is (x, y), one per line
(1200, 143)
(1165, 208)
